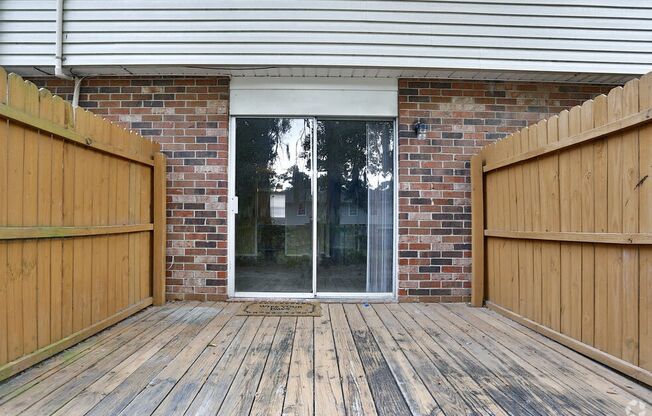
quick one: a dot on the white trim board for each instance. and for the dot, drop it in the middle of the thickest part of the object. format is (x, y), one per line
(319, 96)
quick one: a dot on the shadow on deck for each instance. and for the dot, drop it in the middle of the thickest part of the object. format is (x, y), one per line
(394, 359)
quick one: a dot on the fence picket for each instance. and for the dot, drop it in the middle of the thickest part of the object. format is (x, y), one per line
(44, 213)
(601, 170)
(615, 225)
(645, 226)
(4, 271)
(630, 192)
(588, 223)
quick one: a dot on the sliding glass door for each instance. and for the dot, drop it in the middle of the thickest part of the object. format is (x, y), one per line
(347, 246)
(355, 205)
(273, 225)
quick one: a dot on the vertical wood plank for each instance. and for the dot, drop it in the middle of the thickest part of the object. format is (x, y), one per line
(134, 200)
(123, 218)
(101, 129)
(69, 166)
(145, 238)
(527, 263)
(588, 225)
(513, 226)
(615, 225)
(112, 194)
(98, 268)
(15, 148)
(645, 226)
(601, 169)
(574, 296)
(519, 226)
(30, 217)
(536, 141)
(44, 212)
(550, 251)
(630, 224)
(564, 223)
(4, 281)
(57, 206)
(160, 229)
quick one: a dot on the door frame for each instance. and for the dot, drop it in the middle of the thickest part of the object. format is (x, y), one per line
(232, 211)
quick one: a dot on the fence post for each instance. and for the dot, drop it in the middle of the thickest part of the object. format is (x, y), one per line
(159, 243)
(477, 231)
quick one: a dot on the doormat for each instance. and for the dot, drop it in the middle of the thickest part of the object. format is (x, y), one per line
(267, 308)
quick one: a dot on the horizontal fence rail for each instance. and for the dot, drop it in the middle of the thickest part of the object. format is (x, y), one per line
(562, 228)
(82, 224)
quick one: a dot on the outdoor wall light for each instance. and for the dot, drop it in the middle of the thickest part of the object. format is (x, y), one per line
(420, 128)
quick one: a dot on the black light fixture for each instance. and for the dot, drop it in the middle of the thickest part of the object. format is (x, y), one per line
(420, 128)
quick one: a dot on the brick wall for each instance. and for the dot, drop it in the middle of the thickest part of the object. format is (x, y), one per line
(189, 117)
(434, 189)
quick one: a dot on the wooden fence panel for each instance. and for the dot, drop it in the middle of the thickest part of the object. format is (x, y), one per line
(77, 224)
(566, 227)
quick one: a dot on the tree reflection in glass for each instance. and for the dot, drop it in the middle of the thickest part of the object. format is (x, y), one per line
(273, 227)
(354, 206)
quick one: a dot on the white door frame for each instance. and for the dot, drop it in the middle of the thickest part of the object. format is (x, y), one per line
(232, 207)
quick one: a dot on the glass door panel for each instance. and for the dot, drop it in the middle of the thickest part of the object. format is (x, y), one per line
(355, 206)
(273, 226)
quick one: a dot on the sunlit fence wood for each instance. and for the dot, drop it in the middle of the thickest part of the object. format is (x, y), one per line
(82, 203)
(562, 227)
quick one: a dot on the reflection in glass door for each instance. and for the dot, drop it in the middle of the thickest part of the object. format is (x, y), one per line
(278, 246)
(273, 226)
(355, 206)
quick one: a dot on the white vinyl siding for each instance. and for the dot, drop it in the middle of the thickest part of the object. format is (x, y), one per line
(589, 36)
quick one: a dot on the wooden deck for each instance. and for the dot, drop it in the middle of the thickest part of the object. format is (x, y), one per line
(390, 359)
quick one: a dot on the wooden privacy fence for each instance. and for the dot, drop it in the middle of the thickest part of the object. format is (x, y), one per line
(82, 224)
(562, 228)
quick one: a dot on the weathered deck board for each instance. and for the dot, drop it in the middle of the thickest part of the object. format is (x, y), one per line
(190, 358)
